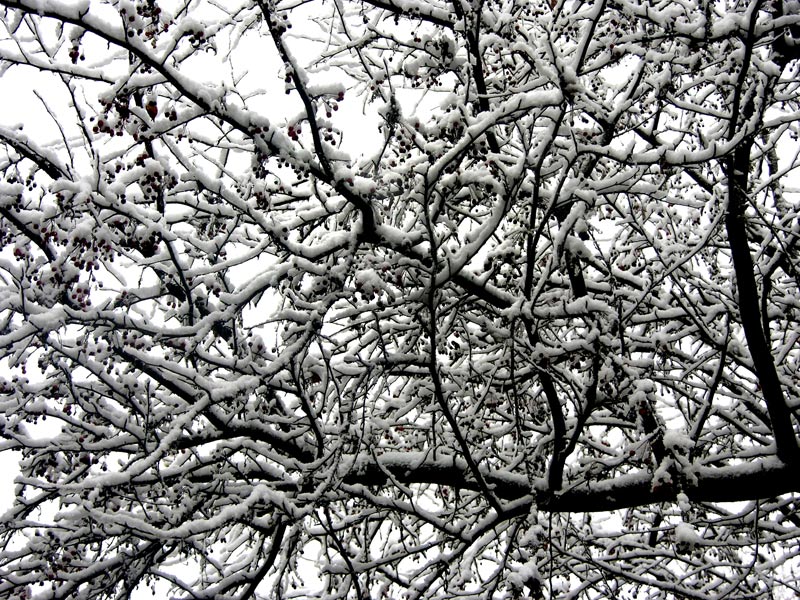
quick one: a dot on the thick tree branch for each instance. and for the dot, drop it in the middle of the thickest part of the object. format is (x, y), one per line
(758, 480)
(761, 353)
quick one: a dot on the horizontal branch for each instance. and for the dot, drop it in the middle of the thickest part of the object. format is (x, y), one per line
(758, 480)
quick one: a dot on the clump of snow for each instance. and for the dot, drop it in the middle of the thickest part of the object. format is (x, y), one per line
(677, 441)
(525, 575)
(662, 476)
(686, 535)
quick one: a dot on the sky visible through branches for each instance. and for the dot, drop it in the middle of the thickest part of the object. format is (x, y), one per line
(398, 299)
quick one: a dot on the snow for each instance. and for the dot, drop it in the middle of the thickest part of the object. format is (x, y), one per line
(261, 361)
(677, 441)
(73, 9)
(685, 533)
